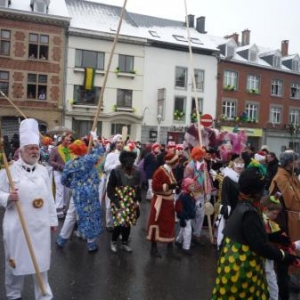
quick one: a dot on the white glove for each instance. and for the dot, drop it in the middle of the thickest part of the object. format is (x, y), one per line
(94, 135)
(297, 245)
(207, 198)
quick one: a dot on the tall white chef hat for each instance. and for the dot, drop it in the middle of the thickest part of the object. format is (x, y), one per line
(29, 132)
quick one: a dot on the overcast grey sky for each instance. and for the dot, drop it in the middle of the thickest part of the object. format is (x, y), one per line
(270, 21)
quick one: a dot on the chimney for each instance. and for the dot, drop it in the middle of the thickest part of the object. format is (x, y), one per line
(233, 36)
(285, 48)
(246, 37)
(191, 21)
(200, 25)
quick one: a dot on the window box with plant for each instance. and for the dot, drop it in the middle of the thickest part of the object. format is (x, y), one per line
(252, 91)
(229, 87)
(194, 116)
(178, 115)
(125, 73)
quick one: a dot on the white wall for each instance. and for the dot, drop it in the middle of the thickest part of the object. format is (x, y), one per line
(160, 67)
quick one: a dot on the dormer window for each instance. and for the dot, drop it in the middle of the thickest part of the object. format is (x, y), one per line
(276, 61)
(230, 51)
(295, 65)
(4, 3)
(252, 55)
(40, 6)
(179, 38)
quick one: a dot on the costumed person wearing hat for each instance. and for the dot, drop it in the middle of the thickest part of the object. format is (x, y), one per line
(150, 165)
(287, 183)
(124, 191)
(45, 149)
(186, 211)
(229, 195)
(196, 169)
(59, 155)
(111, 162)
(161, 223)
(33, 191)
(82, 177)
(240, 270)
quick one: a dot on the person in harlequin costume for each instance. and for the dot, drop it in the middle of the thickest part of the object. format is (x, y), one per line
(59, 156)
(111, 162)
(124, 191)
(161, 223)
(240, 269)
(33, 192)
(82, 177)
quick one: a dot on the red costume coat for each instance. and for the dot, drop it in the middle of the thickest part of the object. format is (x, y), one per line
(161, 224)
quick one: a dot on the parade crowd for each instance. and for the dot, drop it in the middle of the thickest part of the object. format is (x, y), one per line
(249, 198)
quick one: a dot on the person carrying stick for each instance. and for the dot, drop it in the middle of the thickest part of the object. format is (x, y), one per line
(25, 192)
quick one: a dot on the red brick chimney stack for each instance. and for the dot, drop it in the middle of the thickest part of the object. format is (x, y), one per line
(246, 37)
(233, 36)
(285, 48)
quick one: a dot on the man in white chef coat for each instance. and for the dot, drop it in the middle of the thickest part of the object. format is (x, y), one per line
(33, 191)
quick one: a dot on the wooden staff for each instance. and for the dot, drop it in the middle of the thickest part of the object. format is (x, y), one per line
(106, 74)
(193, 76)
(16, 107)
(22, 220)
(197, 107)
(12, 104)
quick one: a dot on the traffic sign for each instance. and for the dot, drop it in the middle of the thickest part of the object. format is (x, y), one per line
(206, 120)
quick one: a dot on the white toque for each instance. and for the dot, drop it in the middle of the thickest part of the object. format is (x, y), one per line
(29, 132)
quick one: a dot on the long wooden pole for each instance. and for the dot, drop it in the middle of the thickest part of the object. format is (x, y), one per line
(22, 220)
(106, 74)
(12, 104)
(193, 75)
(197, 108)
(16, 107)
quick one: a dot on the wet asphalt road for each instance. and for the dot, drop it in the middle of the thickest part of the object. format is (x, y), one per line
(76, 274)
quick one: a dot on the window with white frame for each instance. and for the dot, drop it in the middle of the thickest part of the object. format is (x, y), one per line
(124, 98)
(200, 105)
(86, 97)
(230, 80)
(295, 65)
(294, 116)
(229, 109)
(161, 100)
(252, 111)
(37, 86)
(276, 61)
(253, 83)
(38, 46)
(81, 127)
(180, 77)
(116, 128)
(277, 87)
(276, 115)
(5, 42)
(4, 82)
(199, 78)
(126, 63)
(89, 59)
(295, 90)
(179, 109)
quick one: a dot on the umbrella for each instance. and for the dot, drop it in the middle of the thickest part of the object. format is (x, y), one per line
(59, 130)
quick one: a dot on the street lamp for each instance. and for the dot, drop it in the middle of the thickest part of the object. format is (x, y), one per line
(159, 119)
